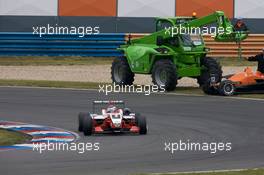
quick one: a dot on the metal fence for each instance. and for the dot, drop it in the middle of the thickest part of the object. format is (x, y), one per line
(105, 45)
(250, 46)
(28, 44)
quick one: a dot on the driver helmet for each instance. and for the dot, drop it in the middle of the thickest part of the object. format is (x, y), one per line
(111, 109)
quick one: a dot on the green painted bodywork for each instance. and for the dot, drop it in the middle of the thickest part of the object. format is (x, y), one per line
(142, 53)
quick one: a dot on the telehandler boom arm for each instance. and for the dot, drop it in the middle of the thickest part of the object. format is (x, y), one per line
(227, 34)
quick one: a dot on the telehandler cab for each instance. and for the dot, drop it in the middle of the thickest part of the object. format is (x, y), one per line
(170, 54)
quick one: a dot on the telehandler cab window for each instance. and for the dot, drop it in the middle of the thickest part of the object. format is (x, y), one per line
(174, 41)
(191, 40)
(162, 25)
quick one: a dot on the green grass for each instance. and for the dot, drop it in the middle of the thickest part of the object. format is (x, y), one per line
(198, 91)
(235, 62)
(56, 84)
(258, 96)
(81, 85)
(93, 85)
(45, 61)
(8, 138)
(244, 172)
(188, 90)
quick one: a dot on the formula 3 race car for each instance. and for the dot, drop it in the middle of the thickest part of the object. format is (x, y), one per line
(111, 117)
(246, 81)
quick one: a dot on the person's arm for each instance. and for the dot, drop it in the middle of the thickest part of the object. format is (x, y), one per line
(254, 58)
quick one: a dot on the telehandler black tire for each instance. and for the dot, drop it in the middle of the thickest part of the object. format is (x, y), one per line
(165, 67)
(212, 68)
(121, 72)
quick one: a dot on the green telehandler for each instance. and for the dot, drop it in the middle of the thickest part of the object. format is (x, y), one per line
(174, 51)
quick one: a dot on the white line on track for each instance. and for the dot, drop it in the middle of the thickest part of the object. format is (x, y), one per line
(176, 94)
(197, 172)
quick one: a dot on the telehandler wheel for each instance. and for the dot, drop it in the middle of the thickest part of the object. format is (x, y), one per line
(164, 74)
(121, 72)
(227, 88)
(209, 90)
(214, 69)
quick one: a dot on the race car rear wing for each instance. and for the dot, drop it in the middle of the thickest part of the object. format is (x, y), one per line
(109, 102)
(104, 104)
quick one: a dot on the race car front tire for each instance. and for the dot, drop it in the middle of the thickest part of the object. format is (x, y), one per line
(80, 118)
(227, 88)
(87, 125)
(142, 124)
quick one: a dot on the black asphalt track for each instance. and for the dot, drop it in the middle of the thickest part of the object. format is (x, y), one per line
(170, 119)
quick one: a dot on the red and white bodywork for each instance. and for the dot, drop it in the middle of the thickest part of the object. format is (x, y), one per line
(111, 118)
(114, 121)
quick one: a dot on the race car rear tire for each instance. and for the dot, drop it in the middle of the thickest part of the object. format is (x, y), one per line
(87, 125)
(80, 119)
(164, 74)
(212, 68)
(227, 88)
(121, 73)
(141, 122)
